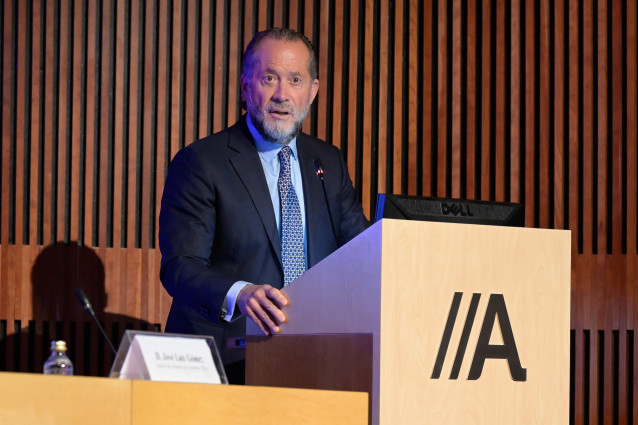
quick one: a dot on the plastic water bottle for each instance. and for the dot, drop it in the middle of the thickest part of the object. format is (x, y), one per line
(58, 362)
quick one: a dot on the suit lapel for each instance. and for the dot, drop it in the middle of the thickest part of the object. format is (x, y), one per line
(245, 162)
(313, 195)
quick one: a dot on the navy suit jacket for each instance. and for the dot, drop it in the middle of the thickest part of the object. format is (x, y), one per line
(217, 225)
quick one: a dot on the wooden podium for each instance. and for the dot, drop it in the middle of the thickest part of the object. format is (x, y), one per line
(441, 323)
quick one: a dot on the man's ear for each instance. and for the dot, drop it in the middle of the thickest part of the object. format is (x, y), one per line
(314, 90)
(243, 85)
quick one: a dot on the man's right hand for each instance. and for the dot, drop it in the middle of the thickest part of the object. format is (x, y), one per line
(263, 304)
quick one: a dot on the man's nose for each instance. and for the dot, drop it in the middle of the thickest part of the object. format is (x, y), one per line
(281, 93)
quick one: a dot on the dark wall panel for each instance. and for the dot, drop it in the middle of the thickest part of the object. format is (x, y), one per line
(531, 101)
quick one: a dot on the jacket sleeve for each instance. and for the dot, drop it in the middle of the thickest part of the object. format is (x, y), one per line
(186, 236)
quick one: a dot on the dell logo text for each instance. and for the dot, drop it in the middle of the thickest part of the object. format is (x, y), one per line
(456, 209)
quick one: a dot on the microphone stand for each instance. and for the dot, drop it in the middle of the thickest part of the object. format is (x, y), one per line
(86, 305)
(319, 171)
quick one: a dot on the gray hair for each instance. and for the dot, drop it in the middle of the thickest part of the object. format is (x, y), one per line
(284, 34)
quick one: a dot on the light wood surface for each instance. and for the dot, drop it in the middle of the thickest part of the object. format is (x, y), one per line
(423, 266)
(170, 403)
(397, 281)
(29, 398)
(75, 400)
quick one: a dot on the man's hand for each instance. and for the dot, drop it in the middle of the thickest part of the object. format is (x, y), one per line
(263, 304)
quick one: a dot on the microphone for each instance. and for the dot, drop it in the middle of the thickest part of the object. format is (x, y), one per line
(320, 172)
(86, 305)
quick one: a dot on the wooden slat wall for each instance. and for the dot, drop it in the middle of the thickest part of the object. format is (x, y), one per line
(525, 101)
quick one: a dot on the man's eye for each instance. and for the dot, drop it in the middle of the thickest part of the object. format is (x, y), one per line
(269, 78)
(296, 80)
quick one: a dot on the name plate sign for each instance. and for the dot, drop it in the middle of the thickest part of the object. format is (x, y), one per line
(168, 357)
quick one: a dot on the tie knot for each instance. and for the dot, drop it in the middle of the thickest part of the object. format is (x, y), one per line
(284, 154)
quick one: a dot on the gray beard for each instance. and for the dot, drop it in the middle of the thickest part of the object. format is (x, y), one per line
(274, 133)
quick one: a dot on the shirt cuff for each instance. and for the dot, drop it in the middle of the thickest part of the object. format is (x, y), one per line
(231, 299)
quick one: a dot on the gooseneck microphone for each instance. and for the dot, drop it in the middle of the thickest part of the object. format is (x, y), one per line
(320, 172)
(86, 305)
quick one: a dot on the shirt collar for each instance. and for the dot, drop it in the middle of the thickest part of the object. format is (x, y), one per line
(265, 148)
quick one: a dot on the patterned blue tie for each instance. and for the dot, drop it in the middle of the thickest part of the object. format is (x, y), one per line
(292, 245)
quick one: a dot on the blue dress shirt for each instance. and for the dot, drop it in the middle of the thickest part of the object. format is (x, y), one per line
(270, 162)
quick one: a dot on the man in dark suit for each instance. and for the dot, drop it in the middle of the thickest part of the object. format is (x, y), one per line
(243, 211)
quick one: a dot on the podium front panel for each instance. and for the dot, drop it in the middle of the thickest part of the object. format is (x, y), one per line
(474, 325)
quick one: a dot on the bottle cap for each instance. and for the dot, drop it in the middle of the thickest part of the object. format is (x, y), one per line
(58, 345)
